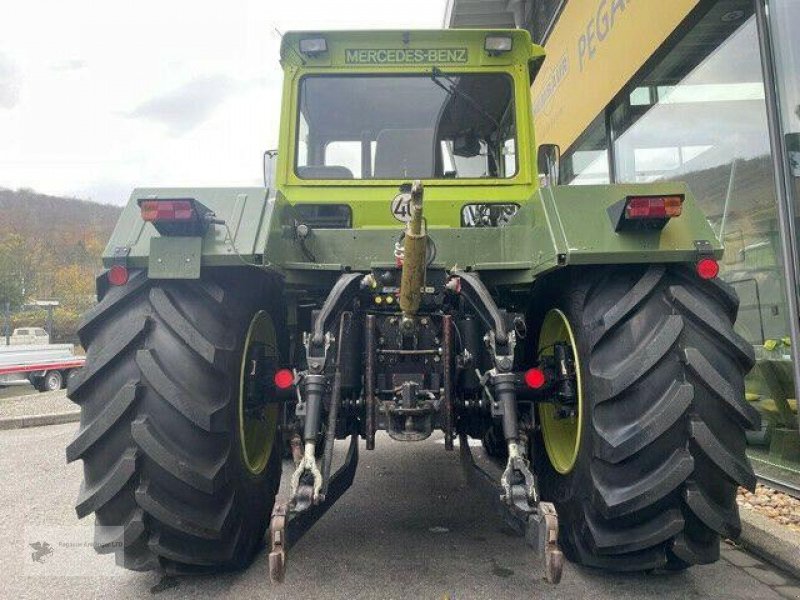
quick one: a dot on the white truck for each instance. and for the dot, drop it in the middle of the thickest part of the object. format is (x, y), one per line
(29, 336)
(45, 366)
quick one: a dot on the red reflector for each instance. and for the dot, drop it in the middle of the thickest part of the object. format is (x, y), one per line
(118, 275)
(284, 379)
(535, 379)
(707, 268)
(167, 210)
(654, 207)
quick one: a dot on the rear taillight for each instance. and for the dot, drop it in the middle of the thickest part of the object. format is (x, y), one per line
(645, 212)
(177, 216)
(167, 210)
(660, 207)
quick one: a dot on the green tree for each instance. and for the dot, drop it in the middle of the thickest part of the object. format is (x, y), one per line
(12, 277)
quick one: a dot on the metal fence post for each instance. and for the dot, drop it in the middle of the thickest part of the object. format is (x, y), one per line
(7, 323)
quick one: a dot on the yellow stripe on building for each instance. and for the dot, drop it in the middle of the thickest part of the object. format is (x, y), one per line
(594, 51)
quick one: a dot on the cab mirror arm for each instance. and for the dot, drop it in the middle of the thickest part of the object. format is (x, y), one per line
(549, 163)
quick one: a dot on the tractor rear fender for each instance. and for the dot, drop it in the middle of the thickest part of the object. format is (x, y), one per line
(557, 226)
(246, 223)
(573, 226)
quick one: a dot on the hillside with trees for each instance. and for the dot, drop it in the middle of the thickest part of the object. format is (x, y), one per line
(50, 249)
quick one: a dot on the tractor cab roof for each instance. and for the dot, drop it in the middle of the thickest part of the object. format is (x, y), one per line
(375, 50)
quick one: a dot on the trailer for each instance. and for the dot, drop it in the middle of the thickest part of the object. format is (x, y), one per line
(45, 367)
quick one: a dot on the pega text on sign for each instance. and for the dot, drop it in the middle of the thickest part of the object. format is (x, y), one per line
(599, 27)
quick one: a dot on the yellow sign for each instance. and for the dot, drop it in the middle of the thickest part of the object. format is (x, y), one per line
(596, 48)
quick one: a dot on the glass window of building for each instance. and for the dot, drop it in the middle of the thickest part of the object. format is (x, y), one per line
(545, 13)
(785, 21)
(703, 121)
(587, 163)
(699, 115)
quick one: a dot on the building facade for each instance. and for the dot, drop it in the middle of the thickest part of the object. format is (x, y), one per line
(701, 91)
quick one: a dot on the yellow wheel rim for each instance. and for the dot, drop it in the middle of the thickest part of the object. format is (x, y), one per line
(562, 437)
(257, 431)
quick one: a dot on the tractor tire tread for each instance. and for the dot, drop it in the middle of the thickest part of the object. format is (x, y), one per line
(93, 431)
(191, 521)
(157, 433)
(663, 448)
(191, 469)
(93, 497)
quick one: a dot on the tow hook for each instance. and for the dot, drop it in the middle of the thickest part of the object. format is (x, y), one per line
(538, 522)
(542, 536)
(277, 538)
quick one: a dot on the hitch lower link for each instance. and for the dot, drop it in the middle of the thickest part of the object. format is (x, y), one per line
(313, 490)
(520, 503)
(289, 522)
(537, 522)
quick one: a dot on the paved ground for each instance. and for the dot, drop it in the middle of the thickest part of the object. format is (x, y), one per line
(409, 528)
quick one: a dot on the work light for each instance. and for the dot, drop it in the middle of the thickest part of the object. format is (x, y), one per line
(498, 44)
(313, 46)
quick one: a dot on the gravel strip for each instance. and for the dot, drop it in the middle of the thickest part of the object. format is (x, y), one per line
(781, 508)
(38, 420)
(37, 404)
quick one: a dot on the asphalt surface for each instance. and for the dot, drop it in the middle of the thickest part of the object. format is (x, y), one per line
(410, 527)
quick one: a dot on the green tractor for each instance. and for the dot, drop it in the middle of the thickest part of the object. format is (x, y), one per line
(412, 266)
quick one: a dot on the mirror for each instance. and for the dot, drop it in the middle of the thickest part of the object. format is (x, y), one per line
(534, 66)
(467, 145)
(549, 160)
(270, 168)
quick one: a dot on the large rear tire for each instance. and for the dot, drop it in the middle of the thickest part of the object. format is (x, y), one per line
(659, 443)
(163, 437)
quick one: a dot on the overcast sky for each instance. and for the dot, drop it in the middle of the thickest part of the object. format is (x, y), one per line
(99, 97)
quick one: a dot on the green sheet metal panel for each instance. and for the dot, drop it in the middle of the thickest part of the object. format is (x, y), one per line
(175, 257)
(246, 212)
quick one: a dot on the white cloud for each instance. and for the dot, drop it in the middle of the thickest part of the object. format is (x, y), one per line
(185, 107)
(10, 82)
(120, 94)
(69, 64)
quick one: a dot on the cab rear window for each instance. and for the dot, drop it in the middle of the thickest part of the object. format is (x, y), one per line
(445, 126)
